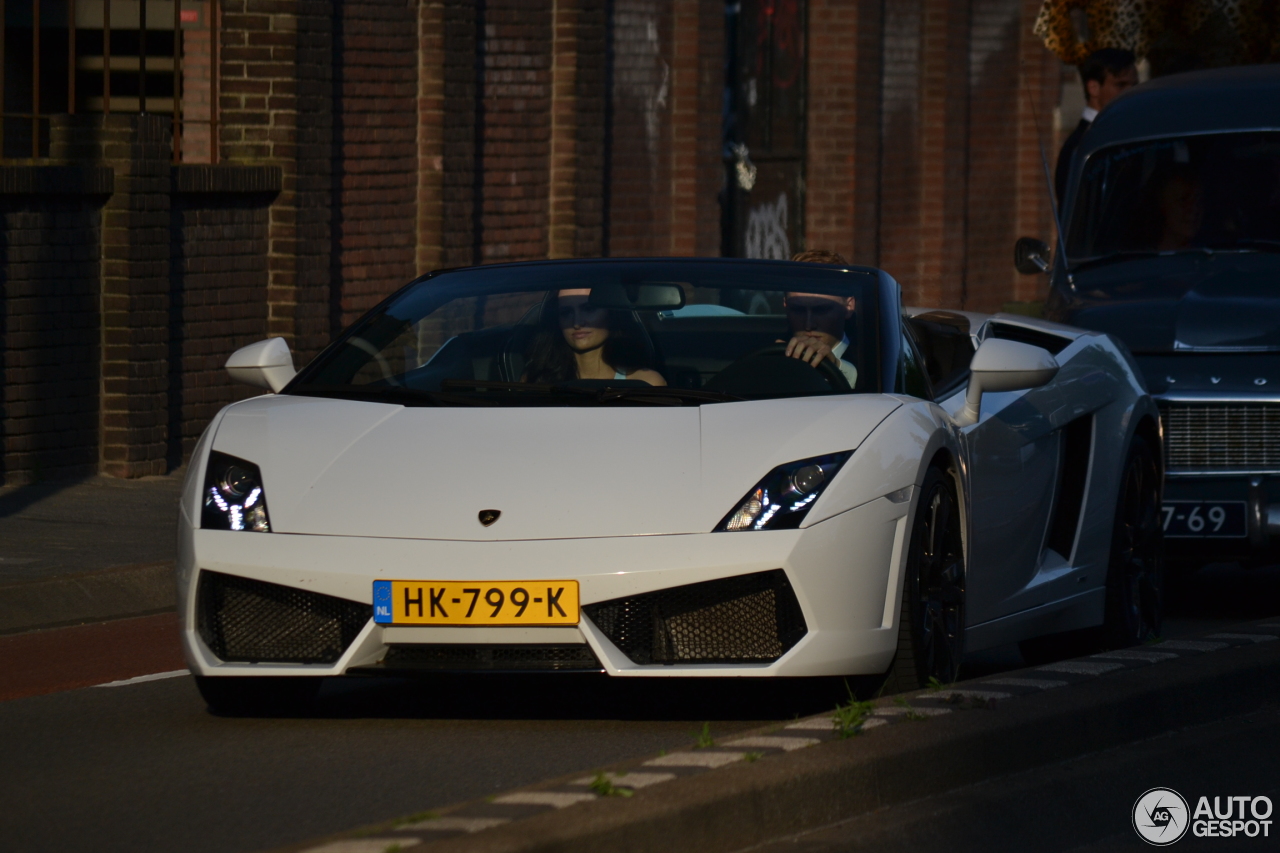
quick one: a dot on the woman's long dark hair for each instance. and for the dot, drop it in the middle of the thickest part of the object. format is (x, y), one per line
(550, 358)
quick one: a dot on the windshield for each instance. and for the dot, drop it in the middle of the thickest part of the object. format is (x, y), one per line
(606, 333)
(1217, 192)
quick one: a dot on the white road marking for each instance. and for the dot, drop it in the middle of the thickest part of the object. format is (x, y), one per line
(900, 710)
(1257, 638)
(1147, 655)
(631, 780)
(784, 743)
(1039, 683)
(695, 759)
(453, 824)
(815, 724)
(1081, 667)
(142, 679)
(826, 724)
(1191, 645)
(967, 694)
(555, 799)
(363, 845)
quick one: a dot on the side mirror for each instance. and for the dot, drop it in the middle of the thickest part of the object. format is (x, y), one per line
(1031, 256)
(266, 364)
(1001, 365)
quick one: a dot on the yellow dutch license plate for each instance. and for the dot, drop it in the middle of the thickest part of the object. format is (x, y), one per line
(475, 602)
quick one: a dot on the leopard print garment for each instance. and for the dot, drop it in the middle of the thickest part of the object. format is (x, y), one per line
(1112, 23)
(1206, 32)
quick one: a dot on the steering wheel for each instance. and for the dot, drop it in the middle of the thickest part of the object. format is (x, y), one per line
(785, 374)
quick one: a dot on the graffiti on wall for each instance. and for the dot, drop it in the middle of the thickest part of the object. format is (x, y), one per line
(766, 235)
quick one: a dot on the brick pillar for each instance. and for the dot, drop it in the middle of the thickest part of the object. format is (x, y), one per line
(842, 201)
(1041, 76)
(683, 208)
(563, 171)
(276, 103)
(431, 53)
(925, 150)
(710, 132)
(135, 296)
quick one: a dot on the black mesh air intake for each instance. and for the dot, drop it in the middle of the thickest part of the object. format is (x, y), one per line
(492, 658)
(745, 619)
(253, 621)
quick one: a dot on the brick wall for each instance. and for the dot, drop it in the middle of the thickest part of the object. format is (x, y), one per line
(640, 173)
(516, 54)
(50, 230)
(397, 136)
(217, 297)
(375, 153)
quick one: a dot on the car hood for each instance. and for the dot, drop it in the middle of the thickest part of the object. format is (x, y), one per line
(339, 467)
(1223, 302)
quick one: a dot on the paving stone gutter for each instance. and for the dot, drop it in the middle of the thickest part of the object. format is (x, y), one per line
(806, 774)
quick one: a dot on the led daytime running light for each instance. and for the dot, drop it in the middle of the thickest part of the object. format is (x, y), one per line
(784, 497)
(233, 496)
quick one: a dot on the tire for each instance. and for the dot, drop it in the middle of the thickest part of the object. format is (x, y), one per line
(931, 625)
(1135, 572)
(268, 696)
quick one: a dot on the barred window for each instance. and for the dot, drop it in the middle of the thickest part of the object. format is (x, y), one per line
(68, 57)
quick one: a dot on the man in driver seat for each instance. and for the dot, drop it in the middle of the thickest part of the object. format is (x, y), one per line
(818, 321)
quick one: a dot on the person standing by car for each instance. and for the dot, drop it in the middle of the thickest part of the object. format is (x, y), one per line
(1106, 74)
(818, 321)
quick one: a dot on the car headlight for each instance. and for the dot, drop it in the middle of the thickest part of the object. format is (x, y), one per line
(782, 499)
(233, 496)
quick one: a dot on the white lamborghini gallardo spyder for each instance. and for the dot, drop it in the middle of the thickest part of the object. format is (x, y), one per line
(666, 467)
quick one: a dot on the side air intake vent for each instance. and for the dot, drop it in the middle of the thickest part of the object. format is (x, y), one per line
(491, 658)
(244, 620)
(745, 619)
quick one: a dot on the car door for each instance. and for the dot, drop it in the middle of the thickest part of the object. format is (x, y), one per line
(1013, 454)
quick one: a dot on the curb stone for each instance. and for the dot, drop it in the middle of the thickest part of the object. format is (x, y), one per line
(114, 593)
(801, 775)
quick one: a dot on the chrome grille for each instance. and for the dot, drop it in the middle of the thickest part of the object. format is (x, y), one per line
(1226, 437)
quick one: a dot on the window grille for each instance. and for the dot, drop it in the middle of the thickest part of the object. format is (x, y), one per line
(68, 57)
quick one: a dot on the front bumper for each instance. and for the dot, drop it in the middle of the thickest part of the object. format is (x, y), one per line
(1259, 491)
(845, 573)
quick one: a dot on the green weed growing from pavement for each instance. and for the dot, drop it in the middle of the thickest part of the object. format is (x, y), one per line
(604, 787)
(912, 713)
(935, 684)
(850, 716)
(704, 739)
(752, 756)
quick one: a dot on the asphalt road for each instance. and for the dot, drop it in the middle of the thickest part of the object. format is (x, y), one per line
(144, 766)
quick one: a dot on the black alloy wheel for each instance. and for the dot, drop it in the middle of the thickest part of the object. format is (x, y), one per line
(931, 627)
(1135, 574)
